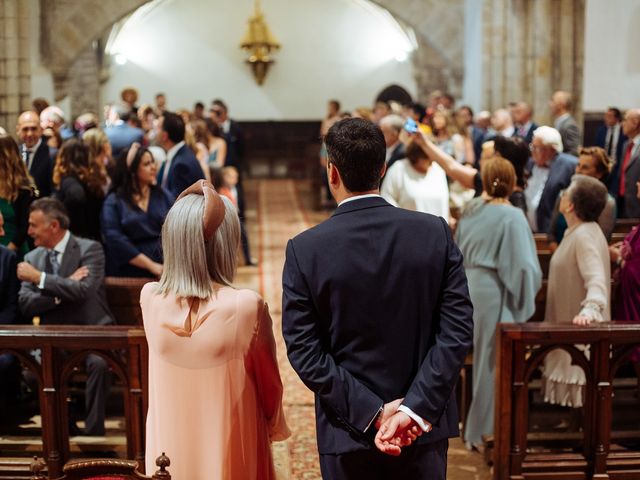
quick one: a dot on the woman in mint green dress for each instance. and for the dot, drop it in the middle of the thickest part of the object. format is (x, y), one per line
(504, 276)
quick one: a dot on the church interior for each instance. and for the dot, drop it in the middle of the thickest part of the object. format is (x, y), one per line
(256, 85)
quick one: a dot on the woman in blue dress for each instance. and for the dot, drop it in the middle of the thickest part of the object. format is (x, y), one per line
(504, 276)
(132, 216)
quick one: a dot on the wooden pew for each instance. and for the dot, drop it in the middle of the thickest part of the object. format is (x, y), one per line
(103, 468)
(63, 348)
(625, 225)
(521, 349)
(123, 297)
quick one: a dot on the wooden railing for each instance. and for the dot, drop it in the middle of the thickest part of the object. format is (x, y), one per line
(521, 350)
(62, 349)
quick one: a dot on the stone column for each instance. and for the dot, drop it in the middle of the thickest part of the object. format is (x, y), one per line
(84, 83)
(531, 49)
(15, 86)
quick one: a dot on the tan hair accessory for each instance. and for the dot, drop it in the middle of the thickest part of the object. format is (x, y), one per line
(214, 210)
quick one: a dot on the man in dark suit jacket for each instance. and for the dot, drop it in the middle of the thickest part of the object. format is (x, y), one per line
(181, 169)
(121, 135)
(560, 104)
(550, 172)
(391, 127)
(523, 121)
(35, 152)
(630, 166)
(62, 283)
(377, 320)
(611, 137)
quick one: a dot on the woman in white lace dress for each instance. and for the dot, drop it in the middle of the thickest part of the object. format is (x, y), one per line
(579, 284)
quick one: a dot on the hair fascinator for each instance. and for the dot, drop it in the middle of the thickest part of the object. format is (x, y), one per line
(214, 209)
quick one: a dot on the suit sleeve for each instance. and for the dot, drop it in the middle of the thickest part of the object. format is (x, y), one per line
(571, 138)
(115, 239)
(31, 300)
(185, 174)
(72, 290)
(9, 295)
(353, 404)
(432, 386)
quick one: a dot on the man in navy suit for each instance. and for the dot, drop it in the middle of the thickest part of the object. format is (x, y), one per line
(35, 152)
(522, 118)
(121, 135)
(550, 172)
(377, 321)
(611, 137)
(181, 168)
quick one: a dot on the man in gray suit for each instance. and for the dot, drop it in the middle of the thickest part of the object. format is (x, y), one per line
(62, 283)
(630, 168)
(560, 105)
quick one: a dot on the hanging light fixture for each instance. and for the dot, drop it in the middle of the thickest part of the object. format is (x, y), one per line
(259, 43)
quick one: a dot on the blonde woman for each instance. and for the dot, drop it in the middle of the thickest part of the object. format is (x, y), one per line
(215, 394)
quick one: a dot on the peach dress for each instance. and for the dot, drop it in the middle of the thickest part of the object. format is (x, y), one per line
(215, 393)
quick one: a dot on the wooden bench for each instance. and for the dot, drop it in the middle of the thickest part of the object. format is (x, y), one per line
(123, 297)
(98, 468)
(521, 350)
(625, 225)
(62, 349)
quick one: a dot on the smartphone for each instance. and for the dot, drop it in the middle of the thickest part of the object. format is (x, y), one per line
(410, 125)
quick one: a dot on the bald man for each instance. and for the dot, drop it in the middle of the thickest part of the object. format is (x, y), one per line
(630, 167)
(35, 152)
(560, 105)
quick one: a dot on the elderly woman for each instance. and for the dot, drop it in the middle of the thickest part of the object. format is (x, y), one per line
(415, 183)
(593, 162)
(132, 216)
(504, 276)
(214, 342)
(579, 284)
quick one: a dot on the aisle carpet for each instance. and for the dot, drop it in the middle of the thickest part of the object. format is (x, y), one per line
(281, 210)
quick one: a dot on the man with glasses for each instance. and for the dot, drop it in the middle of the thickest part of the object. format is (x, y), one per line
(551, 171)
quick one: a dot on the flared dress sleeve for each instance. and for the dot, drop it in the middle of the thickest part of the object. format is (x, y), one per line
(518, 267)
(263, 364)
(592, 269)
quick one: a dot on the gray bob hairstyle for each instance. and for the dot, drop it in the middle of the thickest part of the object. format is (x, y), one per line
(191, 265)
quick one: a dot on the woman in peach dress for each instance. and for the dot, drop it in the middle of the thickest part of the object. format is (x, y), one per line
(215, 394)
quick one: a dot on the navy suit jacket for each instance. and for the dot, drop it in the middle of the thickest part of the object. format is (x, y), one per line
(9, 287)
(562, 168)
(41, 168)
(376, 308)
(122, 136)
(614, 176)
(528, 136)
(184, 171)
(235, 146)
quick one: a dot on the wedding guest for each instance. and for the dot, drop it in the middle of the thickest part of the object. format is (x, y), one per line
(132, 217)
(504, 276)
(214, 341)
(17, 191)
(80, 188)
(579, 285)
(100, 160)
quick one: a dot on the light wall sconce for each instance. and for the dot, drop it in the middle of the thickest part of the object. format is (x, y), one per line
(259, 43)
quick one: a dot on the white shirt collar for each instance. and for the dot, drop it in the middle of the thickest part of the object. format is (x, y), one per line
(61, 246)
(358, 197)
(173, 150)
(226, 125)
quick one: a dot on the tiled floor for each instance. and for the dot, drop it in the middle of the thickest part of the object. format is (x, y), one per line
(282, 209)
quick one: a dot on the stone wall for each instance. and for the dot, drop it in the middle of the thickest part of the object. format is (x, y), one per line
(15, 86)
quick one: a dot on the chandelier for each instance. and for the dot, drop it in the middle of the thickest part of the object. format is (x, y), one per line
(259, 43)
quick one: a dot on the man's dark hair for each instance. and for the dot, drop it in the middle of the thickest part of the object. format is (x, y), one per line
(199, 105)
(336, 104)
(356, 147)
(160, 94)
(219, 103)
(516, 151)
(589, 197)
(616, 112)
(418, 108)
(174, 126)
(468, 109)
(53, 209)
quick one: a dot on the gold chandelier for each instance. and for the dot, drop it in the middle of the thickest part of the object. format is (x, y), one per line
(259, 42)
